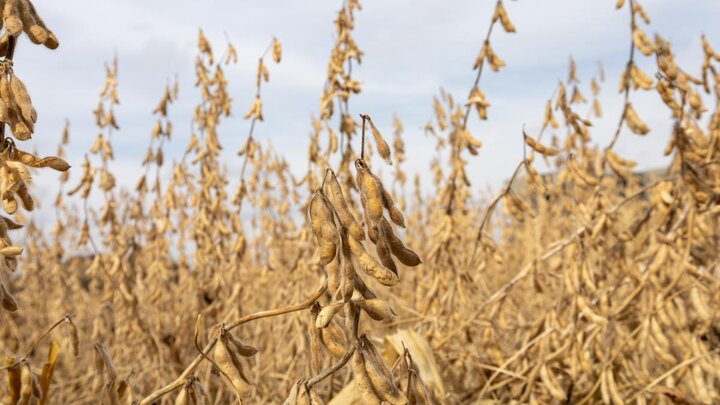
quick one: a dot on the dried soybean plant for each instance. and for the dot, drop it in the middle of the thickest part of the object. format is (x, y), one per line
(581, 281)
(17, 111)
(340, 238)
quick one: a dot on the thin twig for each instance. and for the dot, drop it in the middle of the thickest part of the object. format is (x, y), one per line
(35, 344)
(330, 370)
(362, 145)
(626, 79)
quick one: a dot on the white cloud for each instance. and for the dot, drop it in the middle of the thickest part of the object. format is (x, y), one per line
(411, 49)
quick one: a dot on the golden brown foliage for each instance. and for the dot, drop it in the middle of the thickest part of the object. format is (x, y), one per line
(593, 283)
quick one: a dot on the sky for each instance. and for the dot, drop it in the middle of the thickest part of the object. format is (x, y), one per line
(412, 49)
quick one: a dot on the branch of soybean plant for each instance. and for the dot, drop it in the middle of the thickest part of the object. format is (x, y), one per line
(280, 311)
(37, 341)
(180, 381)
(480, 70)
(9, 52)
(197, 345)
(492, 205)
(254, 119)
(466, 116)
(330, 370)
(626, 80)
(362, 144)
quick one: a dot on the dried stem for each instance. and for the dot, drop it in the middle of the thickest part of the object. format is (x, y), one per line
(492, 205)
(626, 80)
(334, 368)
(35, 343)
(362, 145)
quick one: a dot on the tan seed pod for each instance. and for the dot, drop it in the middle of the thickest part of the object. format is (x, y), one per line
(642, 42)
(620, 170)
(291, 399)
(323, 227)
(371, 266)
(25, 197)
(20, 129)
(623, 162)
(224, 359)
(615, 396)
(477, 98)
(703, 310)
(581, 174)
(74, 340)
(26, 382)
(598, 227)
(8, 302)
(9, 204)
(540, 148)
(501, 14)
(370, 188)
(588, 312)
(301, 395)
(379, 375)
(4, 114)
(11, 17)
(597, 108)
(14, 381)
(255, 111)
(333, 338)
(34, 26)
(634, 122)
(420, 390)
(395, 214)
(372, 229)
(382, 147)
(405, 255)
(359, 284)
(182, 397)
(240, 347)
(383, 251)
(11, 251)
(198, 393)
(327, 313)
(577, 97)
(640, 79)
(314, 339)
(47, 373)
(276, 50)
(377, 309)
(22, 98)
(604, 387)
(362, 380)
(347, 282)
(534, 178)
(549, 118)
(551, 384)
(334, 278)
(341, 207)
(9, 224)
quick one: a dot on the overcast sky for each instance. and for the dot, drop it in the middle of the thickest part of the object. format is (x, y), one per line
(412, 48)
